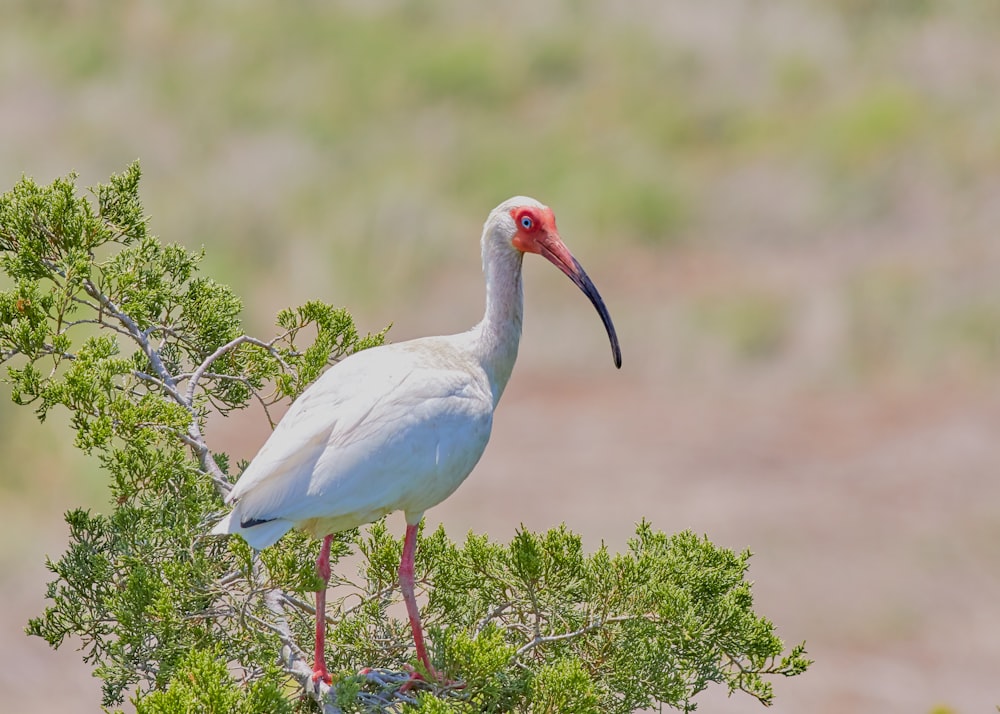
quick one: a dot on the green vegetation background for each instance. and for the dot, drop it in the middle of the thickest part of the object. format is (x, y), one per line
(824, 172)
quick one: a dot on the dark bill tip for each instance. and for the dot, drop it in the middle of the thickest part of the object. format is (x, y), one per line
(585, 284)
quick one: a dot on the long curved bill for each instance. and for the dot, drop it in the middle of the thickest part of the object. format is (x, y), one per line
(555, 251)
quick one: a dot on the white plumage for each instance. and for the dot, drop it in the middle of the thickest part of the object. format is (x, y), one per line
(400, 426)
(395, 428)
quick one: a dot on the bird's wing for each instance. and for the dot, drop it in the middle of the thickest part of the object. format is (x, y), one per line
(335, 402)
(372, 435)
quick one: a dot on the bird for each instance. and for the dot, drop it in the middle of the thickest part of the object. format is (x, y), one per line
(398, 427)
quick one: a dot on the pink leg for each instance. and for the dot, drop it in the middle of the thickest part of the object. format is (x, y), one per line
(406, 585)
(323, 570)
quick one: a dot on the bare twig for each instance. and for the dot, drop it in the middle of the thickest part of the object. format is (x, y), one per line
(489, 617)
(595, 625)
(166, 380)
(293, 658)
(139, 337)
(265, 402)
(229, 347)
(205, 459)
(146, 377)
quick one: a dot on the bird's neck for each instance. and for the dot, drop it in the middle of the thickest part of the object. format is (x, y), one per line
(498, 335)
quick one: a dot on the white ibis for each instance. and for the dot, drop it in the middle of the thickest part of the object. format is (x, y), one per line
(399, 427)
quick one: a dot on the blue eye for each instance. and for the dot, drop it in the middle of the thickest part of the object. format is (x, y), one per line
(527, 223)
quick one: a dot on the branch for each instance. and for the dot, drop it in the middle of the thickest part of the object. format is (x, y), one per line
(197, 443)
(166, 381)
(265, 402)
(595, 625)
(292, 657)
(490, 616)
(200, 371)
(140, 338)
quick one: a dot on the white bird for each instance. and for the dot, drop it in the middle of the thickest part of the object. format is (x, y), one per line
(400, 426)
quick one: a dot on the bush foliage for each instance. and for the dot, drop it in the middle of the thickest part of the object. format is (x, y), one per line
(124, 332)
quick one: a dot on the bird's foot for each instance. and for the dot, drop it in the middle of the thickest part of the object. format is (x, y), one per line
(429, 676)
(320, 673)
(409, 679)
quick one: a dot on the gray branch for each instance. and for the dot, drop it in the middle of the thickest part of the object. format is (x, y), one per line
(199, 372)
(539, 640)
(293, 659)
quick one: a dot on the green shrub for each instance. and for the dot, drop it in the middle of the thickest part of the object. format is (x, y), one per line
(122, 331)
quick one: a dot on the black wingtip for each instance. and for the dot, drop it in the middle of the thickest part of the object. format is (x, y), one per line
(251, 522)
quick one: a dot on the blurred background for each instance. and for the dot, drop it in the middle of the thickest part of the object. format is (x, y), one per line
(791, 210)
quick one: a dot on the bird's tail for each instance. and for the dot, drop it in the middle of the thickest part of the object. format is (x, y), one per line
(259, 535)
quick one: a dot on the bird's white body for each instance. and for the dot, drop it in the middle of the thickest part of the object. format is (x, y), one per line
(399, 427)
(395, 427)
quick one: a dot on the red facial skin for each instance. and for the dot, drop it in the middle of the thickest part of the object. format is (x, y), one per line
(542, 238)
(537, 233)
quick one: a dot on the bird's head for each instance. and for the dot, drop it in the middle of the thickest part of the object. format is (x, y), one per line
(528, 226)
